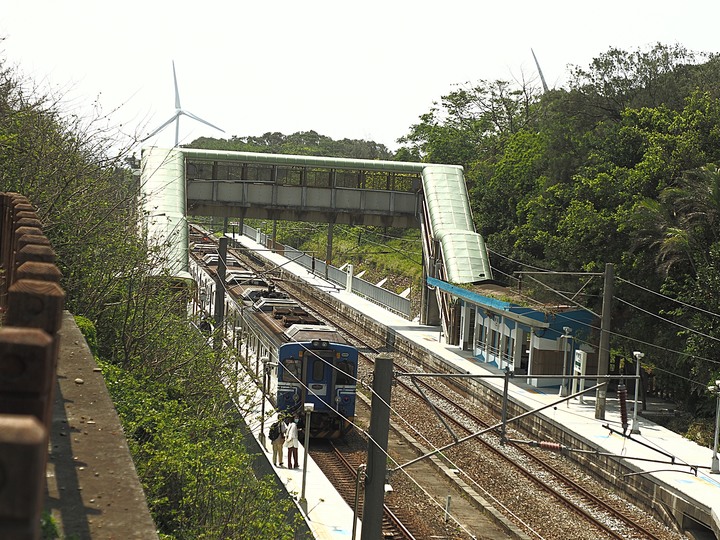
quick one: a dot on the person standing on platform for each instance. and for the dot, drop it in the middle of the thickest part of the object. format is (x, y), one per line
(291, 443)
(277, 438)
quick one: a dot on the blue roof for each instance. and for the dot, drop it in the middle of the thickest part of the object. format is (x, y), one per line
(575, 319)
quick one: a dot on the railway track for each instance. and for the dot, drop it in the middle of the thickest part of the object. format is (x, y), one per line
(563, 489)
(580, 503)
(342, 470)
(609, 521)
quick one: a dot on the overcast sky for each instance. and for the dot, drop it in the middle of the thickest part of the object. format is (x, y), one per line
(364, 70)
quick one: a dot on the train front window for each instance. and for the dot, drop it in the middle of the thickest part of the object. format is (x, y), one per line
(293, 370)
(345, 372)
(318, 369)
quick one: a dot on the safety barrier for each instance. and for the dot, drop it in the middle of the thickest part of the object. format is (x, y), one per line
(31, 305)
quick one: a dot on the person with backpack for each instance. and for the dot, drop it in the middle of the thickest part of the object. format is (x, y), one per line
(277, 439)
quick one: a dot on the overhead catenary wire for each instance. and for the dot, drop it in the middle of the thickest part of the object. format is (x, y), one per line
(676, 300)
(666, 320)
(367, 434)
(619, 335)
(685, 304)
(464, 473)
(407, 423)
(616, 334)
(644, 343)
(358, 381)
(434, 450)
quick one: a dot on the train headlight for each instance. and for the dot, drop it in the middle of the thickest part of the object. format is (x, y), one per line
(320, 344)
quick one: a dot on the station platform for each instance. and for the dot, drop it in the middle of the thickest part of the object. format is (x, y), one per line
(326, 513)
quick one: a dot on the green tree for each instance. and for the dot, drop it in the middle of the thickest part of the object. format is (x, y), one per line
(198, 480)
(618, 79)
(598, 172)
(307, 143)
(472, 122)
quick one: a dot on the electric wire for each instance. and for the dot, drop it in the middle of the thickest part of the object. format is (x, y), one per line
(625, 337)
(616, 334)
(403, 420)
(411, 427)
(420, 435)
(634, 340)
(414, 429)
(363, 431)
(668, 297)
(360, 429)
(666, 320)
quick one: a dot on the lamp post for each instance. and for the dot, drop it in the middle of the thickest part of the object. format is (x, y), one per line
(566, 337)
(715, 389)
(635, 429)
(308, 410)
(202, 297)
(264, 361)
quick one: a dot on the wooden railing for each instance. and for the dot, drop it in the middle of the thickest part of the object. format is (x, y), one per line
(31, 304)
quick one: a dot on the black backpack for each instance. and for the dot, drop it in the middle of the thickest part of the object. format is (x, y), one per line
(274, 432)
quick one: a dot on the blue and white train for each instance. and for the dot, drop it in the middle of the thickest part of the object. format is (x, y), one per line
(304, 359)
(311, 363)
(317, 367)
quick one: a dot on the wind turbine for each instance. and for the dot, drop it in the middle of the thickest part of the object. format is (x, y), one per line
(178, 113)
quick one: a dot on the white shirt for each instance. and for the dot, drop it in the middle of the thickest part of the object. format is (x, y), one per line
(291, 436)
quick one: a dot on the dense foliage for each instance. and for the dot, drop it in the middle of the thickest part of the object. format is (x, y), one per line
(208, 489)
(162, 374)
(304, 143)
(619, 167)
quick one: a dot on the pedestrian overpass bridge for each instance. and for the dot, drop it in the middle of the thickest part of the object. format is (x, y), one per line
(181, 182)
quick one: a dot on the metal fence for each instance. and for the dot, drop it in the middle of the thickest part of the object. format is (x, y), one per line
(387, 299)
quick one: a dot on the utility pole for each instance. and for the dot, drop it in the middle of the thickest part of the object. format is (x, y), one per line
(274, 234)
(219, 314)
(328, 248)
(377, 449)
(604, 350)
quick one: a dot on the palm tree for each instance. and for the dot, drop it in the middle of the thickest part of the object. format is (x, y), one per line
(682, 223)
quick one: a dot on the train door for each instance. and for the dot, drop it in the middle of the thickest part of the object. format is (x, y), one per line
(291, 384)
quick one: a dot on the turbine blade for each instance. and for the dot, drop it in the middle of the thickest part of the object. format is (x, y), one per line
(197, 118)
(158, 130)
(177, 92)
(542, 77)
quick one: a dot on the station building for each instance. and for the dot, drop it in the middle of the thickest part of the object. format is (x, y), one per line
(527, 341)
